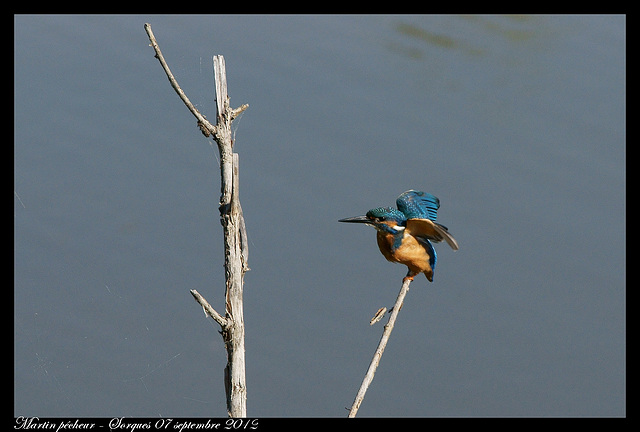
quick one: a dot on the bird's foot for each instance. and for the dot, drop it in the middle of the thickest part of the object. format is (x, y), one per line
(408, 277)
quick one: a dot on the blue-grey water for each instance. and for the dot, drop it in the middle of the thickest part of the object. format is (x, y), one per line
(517, 124)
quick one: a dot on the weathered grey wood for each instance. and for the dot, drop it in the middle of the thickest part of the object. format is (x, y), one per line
(233, 333)
(206, 127)
(380, 349)
(231, 218)
(209, 309)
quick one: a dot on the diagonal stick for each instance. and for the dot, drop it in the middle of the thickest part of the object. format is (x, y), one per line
(381, 346)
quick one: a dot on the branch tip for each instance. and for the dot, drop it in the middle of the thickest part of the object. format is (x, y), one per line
(236, 112)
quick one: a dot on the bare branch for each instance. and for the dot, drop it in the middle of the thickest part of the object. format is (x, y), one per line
(378, 315)
(236, 112)
(381, 346)
(209, 309)
(234, 261)
(205, 126)
(235, 244)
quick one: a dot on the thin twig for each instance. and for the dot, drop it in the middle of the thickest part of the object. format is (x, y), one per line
(209, 309)
(205, 126)
(381, 346)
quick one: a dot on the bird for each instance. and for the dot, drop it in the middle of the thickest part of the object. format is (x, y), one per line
(404, 235)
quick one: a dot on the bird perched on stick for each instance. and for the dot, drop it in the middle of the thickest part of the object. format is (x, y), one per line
(405, 235)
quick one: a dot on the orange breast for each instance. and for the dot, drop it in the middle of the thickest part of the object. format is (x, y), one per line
(411, 253)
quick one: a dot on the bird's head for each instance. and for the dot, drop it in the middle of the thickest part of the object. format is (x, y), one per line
(385, 219)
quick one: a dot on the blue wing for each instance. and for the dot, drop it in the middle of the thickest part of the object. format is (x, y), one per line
(421, 210)
(418, 205)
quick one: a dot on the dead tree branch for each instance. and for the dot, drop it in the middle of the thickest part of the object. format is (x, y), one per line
(231, 218)
(381, 346)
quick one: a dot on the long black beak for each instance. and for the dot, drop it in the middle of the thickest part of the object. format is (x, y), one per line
(356, 219)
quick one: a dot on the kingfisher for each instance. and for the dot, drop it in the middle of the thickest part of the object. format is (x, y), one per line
(404, 235)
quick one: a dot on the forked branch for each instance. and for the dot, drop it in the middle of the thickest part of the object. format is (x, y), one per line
(235, 245)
